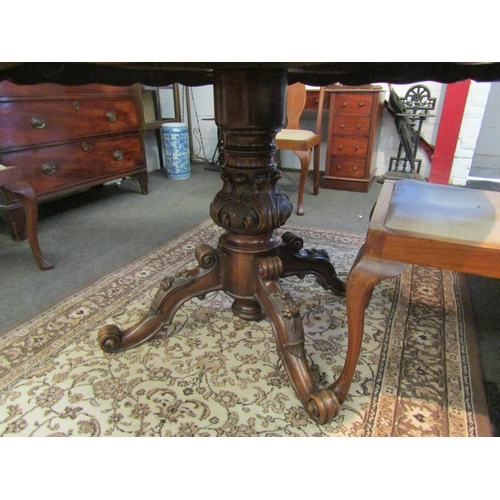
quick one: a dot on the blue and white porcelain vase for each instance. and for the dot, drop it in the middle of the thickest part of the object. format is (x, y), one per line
(176, 150)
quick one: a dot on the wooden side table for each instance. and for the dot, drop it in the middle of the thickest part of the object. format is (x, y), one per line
(354, 120)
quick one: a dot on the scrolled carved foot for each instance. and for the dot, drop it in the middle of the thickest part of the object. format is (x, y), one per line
(323, 406)
(110, 338)
(298, 262)
(284, 316)
(172, 293)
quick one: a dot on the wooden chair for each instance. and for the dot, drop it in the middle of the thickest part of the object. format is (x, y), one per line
(414, 222)
(13, 184)
(302, 142)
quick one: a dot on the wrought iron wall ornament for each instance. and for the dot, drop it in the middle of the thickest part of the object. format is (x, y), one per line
(409, 115)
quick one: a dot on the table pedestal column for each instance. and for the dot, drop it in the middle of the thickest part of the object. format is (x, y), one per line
(251, 257)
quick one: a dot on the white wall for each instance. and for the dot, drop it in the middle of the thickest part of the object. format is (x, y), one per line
(469, 132)
(152, 150)
(203, 129)
(202, 122)
(486, 155)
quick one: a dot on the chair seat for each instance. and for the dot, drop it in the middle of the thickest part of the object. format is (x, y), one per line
(444, 211)
(296, 139)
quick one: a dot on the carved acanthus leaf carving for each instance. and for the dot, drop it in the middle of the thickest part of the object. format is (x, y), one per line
(250, 203)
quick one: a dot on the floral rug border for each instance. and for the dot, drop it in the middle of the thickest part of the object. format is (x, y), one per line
(389, 406)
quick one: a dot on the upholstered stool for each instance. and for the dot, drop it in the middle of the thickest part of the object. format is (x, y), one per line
(442, 226)
(12, 182)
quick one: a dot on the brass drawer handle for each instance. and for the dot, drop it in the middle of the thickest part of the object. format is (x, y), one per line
(85, 146)
(76, 105)
(38, 123)
(344, 104)
(358, 127)
(356, 148)
(342, 126)
(341, 147)
(111, 116)
(118, 155)
(361, 104)
(49, 168)
(354, 168)
(338, 167)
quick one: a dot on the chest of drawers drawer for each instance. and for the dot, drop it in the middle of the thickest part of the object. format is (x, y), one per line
(26, 123)
(359, 104)
(348, 167)
(356, 126)
(312, 100)
(349, 146)
(52, 90)
(53, 168)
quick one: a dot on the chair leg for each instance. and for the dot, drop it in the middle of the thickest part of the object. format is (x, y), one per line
(305, 161)
(28, 199)
(365, 274)
(316, 171)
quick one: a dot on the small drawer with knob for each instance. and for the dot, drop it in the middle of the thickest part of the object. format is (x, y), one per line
(349, 146)
(354, 104)
(312, 100)
(347, 167)
(352, 126)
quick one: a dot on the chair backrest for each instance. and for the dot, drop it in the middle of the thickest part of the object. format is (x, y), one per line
(295, 104)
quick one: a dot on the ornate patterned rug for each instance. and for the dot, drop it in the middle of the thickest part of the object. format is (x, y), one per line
(213, 374)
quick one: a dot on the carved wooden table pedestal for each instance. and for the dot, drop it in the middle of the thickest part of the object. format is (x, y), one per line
(250, 258)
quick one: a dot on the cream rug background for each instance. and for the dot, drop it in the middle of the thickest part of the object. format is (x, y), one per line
(213, 374)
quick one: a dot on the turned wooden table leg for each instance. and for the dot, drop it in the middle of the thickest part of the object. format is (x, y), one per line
(250, 110)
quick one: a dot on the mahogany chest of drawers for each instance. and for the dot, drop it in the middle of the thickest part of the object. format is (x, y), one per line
(353, 128)
(67, 139)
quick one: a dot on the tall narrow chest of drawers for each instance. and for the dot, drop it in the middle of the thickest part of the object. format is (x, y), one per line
(66, 139)
(353, 128)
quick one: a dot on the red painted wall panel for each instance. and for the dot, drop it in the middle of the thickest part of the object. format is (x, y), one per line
(449, 129)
